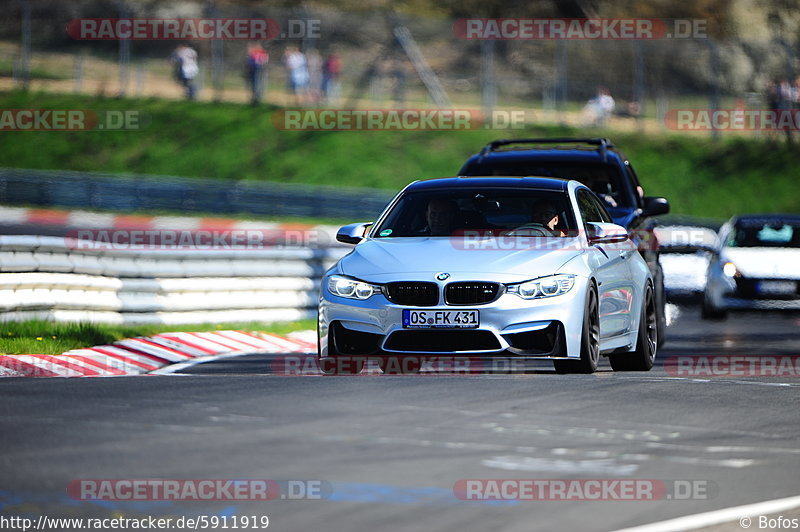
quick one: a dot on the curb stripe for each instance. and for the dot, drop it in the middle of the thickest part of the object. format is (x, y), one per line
(23, 368)
(225, 342)
(59, 370)
(136, 344)
(150, 355)
(183, 344)
(200, 343)
(181, 347)
(103, 367)
(125, 352)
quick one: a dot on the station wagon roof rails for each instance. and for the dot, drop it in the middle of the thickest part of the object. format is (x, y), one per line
(602, 143)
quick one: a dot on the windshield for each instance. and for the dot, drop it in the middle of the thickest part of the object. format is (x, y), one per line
(514, 212)
(765, 234)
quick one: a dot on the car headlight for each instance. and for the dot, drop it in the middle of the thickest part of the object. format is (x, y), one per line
(729, 269)
(553, 285)
(351, 288)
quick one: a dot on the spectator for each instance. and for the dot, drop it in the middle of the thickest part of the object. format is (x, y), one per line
(331, 69)
(597, 110)
(773, 96)
(785, 95)
(314, 75)
(297, 66)
(255, 66)
(184, 60)
(796, 93)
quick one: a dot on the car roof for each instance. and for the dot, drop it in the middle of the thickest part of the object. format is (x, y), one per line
(547, 154)
(556, 149)
(541, 183)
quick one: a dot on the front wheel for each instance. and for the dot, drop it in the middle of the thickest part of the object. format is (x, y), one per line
(590, 339)
(644, 356)
(661, 310)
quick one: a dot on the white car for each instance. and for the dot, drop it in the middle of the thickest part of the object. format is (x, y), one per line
(756, 266)
(469, 266)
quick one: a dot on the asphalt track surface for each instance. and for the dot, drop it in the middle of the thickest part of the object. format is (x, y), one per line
(391, 448)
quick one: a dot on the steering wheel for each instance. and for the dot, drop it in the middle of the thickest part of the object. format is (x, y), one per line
(531, 229)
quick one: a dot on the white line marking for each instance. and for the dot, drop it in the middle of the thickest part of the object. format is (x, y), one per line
(527, 463)
(693, 522)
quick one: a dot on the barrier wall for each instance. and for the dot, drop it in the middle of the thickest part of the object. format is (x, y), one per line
(63, 279)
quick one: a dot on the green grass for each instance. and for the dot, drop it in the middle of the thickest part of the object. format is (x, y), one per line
(40, 337)
(7, 70)
(233, 141)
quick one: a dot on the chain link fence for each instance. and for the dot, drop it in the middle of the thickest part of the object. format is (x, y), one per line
(556, 79)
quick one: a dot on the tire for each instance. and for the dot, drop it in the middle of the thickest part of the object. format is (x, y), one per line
(644, 356)
(661, 310)
(336, 363)
(590, 339)
(710, 312)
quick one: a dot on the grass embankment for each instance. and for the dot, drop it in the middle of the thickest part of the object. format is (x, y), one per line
(234, 141)
(41, 337)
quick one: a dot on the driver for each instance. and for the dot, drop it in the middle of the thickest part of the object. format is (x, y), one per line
(440, 215)
(546, 214)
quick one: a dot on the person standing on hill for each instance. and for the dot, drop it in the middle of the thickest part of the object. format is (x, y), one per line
(297, 67)
(184, 60)
(331, 68)
(254, 70)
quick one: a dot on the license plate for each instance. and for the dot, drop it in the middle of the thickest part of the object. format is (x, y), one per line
(445, 319)
(776, 287)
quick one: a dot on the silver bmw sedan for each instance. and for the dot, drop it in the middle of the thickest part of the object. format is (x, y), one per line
(488, 268)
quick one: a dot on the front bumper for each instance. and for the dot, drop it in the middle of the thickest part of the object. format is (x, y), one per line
(546, 328)
(726, 293)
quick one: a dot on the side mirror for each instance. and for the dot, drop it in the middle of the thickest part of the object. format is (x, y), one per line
(653, 206)
(605, 233)
(353, 233)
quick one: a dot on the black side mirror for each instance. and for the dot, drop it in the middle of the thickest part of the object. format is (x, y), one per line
(653, 206)
(353, 233)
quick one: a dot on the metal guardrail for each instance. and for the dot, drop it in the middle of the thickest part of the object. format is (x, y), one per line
(131, 193)
(62, 279)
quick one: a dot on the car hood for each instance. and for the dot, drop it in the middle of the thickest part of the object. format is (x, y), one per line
(764, 262)
(420, 258)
